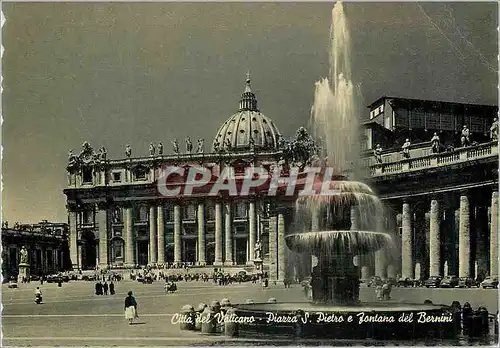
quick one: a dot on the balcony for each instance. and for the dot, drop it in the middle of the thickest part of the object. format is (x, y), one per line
(456, 157)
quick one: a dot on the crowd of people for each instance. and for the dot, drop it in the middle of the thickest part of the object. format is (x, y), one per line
(103, 288)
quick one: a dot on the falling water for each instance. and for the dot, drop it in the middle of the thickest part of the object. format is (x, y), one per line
(334, 114)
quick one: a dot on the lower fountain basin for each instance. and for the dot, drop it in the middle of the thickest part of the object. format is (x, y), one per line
(378, 320)
(338, 241)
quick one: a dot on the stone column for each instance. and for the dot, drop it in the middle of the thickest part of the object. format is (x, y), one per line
(435, 241)
(129, 237)
(407, 270)
(282, 248)
(494, 235)
(228, 261)
(80, 257)
(218, 234)
(252, 232)
(152, 235)
(202, 259)
(177, 234)
(354, 226)
(103, 236)
(380, 255)
(464, 238)
(73, 239)
(273, 260)
(160, 214)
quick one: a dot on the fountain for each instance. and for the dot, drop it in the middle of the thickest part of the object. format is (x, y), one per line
(338, 226)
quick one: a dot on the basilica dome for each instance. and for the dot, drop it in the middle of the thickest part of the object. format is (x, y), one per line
(248, 128)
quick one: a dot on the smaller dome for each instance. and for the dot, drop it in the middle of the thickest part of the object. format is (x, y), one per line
(248, 128)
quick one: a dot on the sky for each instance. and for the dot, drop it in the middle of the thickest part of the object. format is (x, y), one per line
(133, 73)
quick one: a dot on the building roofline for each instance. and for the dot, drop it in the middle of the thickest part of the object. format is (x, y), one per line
(428, 101)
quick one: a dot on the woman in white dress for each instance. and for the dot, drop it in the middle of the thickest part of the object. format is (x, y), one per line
(130, 308)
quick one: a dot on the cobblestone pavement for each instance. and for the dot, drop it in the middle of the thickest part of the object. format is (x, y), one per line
(74, 316)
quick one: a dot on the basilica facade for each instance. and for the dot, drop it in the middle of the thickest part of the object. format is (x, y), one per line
(440, 206)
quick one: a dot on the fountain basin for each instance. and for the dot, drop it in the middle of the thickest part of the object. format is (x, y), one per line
(337, 241)
(378, 320)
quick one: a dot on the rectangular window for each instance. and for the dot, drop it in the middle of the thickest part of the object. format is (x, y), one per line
(87, 175)
(210, 211)
(241, 210)
(169, 213)
(189, 212)
(117, 177)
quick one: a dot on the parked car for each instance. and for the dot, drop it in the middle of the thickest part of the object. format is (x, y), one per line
(375, 281)
(12, 283)
(490, 282)
(432, 282)
(467, 282)
(406, 282)
(449, 282)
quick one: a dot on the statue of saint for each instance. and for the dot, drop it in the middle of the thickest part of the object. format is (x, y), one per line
(189, 145)
(23, 255)
(103, 153)
(378, 153)
(435, 143)
(406, 148)
(175, 144)
(151, 149)
(494, 130)
(201, 145)
(258, 250)
(128, 151)
(160, 148)
(465, 138)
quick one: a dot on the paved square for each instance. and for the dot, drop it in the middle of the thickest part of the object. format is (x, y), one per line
(73, 315)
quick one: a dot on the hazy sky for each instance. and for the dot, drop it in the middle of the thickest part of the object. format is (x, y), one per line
(122, 73)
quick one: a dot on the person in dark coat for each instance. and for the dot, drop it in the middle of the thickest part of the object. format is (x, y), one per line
(105, 287)
(112, 288)
(97, 288)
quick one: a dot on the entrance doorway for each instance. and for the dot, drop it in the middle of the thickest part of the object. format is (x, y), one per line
(189, 250)
(89, 250)
(142, 252)
(241, 251)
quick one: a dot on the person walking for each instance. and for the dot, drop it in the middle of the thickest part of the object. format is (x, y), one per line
(105, 288)
(111, 288)
(130, 308)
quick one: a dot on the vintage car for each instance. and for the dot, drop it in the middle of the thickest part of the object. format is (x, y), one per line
(432, 282)
(489, 282)
(449, 282)
(12, 283)
(467, 282)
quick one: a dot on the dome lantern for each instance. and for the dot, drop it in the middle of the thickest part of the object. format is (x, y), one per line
(248, 100)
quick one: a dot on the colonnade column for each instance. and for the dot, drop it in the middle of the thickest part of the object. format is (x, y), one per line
(129, 237)
(380, 255)
(464, 237)
(73, 239)
(161, 234)
(434, 240)
(407, 270)
(177, 234)
(273, 265)
(228, 260)
(252, 232)
(103, 235)
(282, 261)
(494, 235)
(152, 235)
(218, 234)
(202, 260)
(354, 227)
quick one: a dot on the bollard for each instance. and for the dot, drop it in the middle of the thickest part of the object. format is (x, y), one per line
(456, 309)
(208, 321)
(466, 316)
(249, 301)
(485, 325)
(188, 318)
(299, 325)
(199, 310)
(496, 324)
(231, 327)
(272, 300)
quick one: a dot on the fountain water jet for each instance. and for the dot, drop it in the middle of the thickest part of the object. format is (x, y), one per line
(342, 224)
